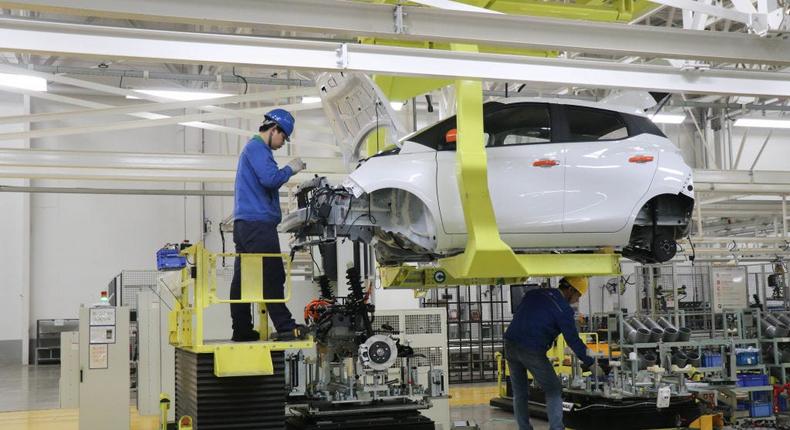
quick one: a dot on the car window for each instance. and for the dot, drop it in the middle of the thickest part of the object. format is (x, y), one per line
(519, 124)
(586, 124)
(639, 125)
(435, 136)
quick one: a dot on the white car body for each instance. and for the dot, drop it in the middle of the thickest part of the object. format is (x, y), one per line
(589, 199)
(551, 188)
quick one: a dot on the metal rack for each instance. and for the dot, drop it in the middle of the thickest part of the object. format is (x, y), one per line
(48, 338)
(123, 290)
(477, 317)
(737, 329)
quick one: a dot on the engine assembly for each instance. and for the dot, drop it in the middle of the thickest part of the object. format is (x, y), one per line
(391, 221)
(361, 376)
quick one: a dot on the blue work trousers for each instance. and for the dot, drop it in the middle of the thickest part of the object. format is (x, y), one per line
(252, 237)
(520, 360)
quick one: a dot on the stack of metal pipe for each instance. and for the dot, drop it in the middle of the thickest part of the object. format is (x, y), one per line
(775, 327)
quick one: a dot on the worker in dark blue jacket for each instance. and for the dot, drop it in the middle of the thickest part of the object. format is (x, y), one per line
(256, 215)
(542, 315)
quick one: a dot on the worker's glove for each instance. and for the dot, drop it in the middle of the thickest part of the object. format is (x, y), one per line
(595, 370)
(297, 165)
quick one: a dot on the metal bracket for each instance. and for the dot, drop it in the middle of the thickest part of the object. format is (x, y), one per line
(342, 56)
(399, 14)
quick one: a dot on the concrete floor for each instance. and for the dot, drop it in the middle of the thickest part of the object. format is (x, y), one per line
(25, 388)
(35, 388)
(489, 418)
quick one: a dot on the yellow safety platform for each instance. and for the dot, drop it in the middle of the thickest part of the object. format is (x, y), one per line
(198, 291)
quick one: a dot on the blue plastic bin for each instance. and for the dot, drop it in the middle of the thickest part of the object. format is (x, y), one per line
(711, 359)
(169, 259)
(752, 380)
(760, 409)
(762, 396)
(747, 356)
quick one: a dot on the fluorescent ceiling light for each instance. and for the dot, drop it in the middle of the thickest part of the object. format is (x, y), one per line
(762, 123)
(184, 96)
(24, 82)
(668, 118)
(397, 105)
(308, 99)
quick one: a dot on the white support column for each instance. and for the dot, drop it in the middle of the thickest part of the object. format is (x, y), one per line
(26, 233)
(784, 216)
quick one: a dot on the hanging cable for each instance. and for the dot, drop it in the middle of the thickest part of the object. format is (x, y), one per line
(246, 85)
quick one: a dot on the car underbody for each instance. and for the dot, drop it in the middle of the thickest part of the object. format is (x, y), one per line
(401, 229)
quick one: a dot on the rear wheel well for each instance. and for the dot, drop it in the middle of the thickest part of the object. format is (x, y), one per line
(659, 223)
(666, 210)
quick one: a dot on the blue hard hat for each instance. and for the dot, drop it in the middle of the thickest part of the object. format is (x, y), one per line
(284, 120)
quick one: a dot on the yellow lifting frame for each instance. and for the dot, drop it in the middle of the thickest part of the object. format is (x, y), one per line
(487, 259)
(186, 323)
(486, 255)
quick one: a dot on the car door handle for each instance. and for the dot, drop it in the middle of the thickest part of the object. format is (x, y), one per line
(641, 159)
(545, 163)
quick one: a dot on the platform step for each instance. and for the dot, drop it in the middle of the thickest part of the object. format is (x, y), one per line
(245, 402)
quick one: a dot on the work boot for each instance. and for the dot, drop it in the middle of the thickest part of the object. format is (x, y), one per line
(299, 332)
(246, 336)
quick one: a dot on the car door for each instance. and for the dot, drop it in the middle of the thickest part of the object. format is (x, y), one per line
(525, 173)
(606, 171)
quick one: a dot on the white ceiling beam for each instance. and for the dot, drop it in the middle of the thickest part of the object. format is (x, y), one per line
(95, 105)
(124, 92)
(155, 107)
(115, 191)
(105, 42)
(742, 181)
(744, 12)
(145, 115)
(707, 9)
(185, 120)
(102, 174)
(147, 160)
(156, 167)
(18, 163)
(345, 18)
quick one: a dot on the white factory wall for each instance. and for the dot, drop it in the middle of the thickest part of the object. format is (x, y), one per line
(81, 241)
(775, 155)
(14, 239)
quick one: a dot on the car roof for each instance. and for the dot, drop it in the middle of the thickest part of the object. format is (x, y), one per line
(563, 101)
(632, 110)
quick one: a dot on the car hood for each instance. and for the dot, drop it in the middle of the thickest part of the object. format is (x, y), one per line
(356, 107)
